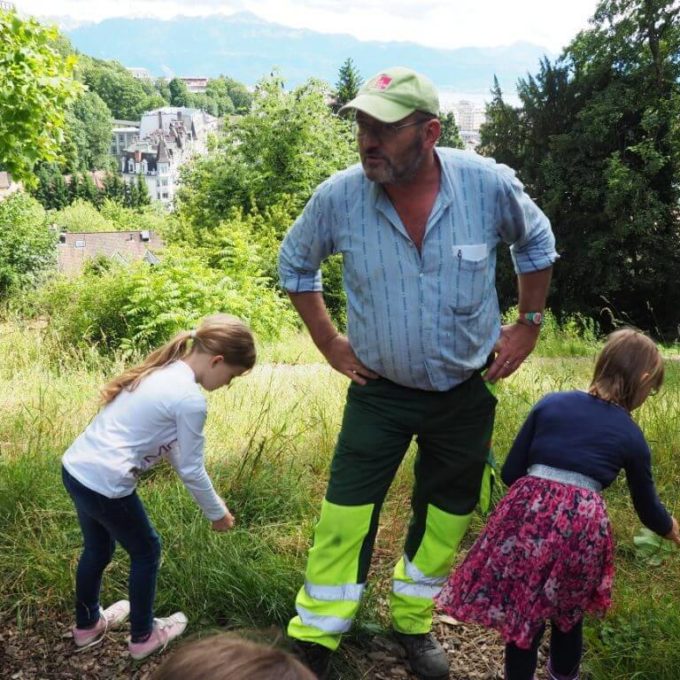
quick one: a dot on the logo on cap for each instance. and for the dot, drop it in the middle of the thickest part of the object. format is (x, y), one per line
(382, 82)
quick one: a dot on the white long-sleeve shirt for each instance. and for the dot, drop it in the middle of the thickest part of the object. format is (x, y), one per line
(162, 418)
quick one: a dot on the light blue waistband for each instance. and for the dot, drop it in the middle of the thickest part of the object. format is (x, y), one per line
(565, 477)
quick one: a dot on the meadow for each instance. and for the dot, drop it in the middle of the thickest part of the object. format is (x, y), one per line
(269, 443)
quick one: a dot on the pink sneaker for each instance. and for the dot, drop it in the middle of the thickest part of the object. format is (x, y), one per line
(109, 618)
(164, 631)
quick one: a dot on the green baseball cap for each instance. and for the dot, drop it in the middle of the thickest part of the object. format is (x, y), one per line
(395, 93)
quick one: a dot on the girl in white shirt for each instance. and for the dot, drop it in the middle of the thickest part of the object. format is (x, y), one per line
(152, 411)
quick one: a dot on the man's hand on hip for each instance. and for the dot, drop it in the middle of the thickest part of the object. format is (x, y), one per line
(516, 343)
(341, 357)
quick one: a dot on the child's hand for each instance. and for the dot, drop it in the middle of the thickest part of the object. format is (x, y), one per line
(227, 522)
(674, 533)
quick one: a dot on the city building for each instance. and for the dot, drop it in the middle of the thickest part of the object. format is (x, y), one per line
(168, 137)
(7, 185)
(140, 73)
(195, 85)
(123, 136)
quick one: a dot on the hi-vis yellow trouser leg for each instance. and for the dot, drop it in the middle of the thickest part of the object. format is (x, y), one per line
(453, 431)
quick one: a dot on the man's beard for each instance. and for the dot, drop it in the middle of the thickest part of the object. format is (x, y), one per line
(399, 171)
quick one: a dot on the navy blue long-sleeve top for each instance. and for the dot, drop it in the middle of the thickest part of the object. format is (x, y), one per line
(578, 432)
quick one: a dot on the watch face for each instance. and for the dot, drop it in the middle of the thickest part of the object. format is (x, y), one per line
(537, 318)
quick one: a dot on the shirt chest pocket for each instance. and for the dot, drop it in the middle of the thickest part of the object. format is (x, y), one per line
(468, 276)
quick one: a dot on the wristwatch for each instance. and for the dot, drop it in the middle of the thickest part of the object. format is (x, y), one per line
(530, 318)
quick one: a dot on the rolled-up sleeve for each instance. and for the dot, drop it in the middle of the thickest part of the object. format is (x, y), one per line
(524, 226)
(306, 245)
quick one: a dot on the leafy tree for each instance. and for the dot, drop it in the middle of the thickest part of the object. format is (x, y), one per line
(89, 130)
(81, 216)
(450, 135)
(36, 87)
(278, 152)
(60, 197)
(163, 89)
(143, 197)
(90, 191)
(501, 134)
(596, 142)
(27, 243)
(114, 187)
(121, 92)
(217, 91)
(349, 82)
(238, 93)
(179, 94)
(74, 190)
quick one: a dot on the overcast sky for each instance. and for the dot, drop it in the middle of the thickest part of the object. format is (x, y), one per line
(435, 23)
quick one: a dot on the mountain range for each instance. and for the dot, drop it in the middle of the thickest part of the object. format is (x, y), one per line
(246, 47)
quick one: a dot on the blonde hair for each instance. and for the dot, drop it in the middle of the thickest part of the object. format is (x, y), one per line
(219, 334)
(226, 657)
(628, 367)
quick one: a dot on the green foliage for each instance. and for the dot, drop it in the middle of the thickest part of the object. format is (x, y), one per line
(229, 95)
(450, 135)
(126, 96)
(81, 216)
(137, 307)
(27, 243)
(263, 172)
(349, 82)
(280, 150)
(574, 336)
(651, 548)
(179, 94)
(597, 144)
(36, 87)
(88, 134)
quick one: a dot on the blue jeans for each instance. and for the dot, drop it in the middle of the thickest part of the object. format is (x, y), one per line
(105, 521)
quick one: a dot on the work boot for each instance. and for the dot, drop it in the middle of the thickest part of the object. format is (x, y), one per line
(552, 675)
(426, 656)
(316, 657)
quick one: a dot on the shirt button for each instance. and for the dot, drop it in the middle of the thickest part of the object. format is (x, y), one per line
(420, 275)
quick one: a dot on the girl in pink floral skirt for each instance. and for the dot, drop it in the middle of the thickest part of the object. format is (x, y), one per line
(546, 552)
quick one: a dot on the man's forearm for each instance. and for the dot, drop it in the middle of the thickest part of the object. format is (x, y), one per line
(533, 290)
(313, 312)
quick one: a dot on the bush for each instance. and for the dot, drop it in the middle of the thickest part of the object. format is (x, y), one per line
(138, 307)
(81, 216)
(27, 244)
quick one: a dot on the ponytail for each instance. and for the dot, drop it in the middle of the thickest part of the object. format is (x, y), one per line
(219, 334)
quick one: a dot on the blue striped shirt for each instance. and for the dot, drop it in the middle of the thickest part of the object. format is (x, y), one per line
(424, 319)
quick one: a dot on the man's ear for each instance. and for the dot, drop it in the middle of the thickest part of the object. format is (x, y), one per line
(216, 360)
(433, 130)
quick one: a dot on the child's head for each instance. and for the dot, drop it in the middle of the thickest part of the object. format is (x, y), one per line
(225, 657)
(627, 369)
(218, 336)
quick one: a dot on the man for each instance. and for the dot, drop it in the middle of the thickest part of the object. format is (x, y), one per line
(418, 228)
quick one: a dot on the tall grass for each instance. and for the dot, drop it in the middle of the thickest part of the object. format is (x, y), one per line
(269, 443)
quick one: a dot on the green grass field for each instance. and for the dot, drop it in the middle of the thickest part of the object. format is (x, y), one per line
(270, 439)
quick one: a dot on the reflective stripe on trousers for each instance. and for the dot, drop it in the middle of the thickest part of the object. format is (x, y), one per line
(417, 580)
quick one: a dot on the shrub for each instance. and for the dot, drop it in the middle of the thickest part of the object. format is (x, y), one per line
(137, 307)
(27, 244)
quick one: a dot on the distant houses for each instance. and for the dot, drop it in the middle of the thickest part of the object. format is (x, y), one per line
(74, 250)
(165, 139)
(7, 185)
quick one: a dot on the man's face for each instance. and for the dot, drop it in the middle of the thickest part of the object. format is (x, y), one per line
(391, 153)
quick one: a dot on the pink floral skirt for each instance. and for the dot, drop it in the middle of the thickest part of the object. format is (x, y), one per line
(546, 553)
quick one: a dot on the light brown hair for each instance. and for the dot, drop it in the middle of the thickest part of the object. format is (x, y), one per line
(219, 334)
(627, 369)
(226, 657)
